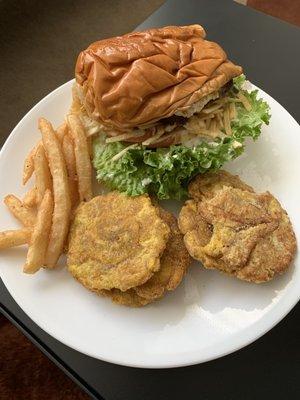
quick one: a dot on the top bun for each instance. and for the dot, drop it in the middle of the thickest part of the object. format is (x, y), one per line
(141, 77)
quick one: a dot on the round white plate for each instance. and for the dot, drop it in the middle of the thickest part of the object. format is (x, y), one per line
(208, 316)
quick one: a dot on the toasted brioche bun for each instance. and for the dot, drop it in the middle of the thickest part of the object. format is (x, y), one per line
(141, 77)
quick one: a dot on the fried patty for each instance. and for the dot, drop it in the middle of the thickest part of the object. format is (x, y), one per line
(206, 185)
(173, 263)
(237, 231)
(173, 266)
(116, 241)
(129, 298)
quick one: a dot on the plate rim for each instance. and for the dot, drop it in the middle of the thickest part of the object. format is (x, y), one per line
(239, 340)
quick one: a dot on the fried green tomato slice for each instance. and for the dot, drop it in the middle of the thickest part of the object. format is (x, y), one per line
(116, 241)
(174, 263)
(205, 186)
(241, 233)
(129, 298)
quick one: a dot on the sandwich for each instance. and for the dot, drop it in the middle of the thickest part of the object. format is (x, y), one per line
(162, 106)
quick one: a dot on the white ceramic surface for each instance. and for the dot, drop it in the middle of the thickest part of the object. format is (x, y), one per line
(208, 316)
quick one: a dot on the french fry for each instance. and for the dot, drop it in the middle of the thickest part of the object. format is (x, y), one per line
(68, 151)
(76, 105)
(28, 166)
(42, 174)
(14, 238)
(73, 193)
(61, 191)
(40, 235)
(29, 199)
(61, 131)
(69, 154)
(83, 162)
(25, 215)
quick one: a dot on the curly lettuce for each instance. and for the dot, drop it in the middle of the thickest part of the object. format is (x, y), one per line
(167, 171)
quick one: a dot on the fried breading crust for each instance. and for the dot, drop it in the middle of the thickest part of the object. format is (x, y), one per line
(205, 186)
(173, 266)
(129, 298)
(173, 263)
(239, 232)
(116, 242)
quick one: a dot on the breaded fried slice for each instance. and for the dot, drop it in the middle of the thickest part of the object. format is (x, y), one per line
(205, 186)
(239, 232)
(173, 266)
(173, 263)
(129, 298)
(116, 241)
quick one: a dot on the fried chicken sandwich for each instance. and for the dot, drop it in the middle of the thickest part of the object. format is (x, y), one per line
(162, 106)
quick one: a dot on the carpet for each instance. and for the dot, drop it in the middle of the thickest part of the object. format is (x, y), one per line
(287, 10)
(27, 374)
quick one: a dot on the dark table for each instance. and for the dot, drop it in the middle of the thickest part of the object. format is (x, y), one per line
(270, 367)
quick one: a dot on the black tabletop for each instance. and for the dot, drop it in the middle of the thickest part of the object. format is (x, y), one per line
(270, 367)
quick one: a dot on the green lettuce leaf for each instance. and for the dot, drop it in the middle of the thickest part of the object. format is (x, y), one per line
(166, 172)
(239, 81)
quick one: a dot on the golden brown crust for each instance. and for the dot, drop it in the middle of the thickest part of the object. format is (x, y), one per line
(142, 77)
(173, 266)
(116, 242)
(236, 208)
(197, 232)
(239, 232)
(173, 263)
(275, 252)
(129, 298)
(206, 185)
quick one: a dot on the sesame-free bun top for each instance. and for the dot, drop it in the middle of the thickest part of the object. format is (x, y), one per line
(139, 78)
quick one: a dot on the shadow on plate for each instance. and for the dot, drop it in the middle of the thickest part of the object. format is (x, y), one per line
(233, 293)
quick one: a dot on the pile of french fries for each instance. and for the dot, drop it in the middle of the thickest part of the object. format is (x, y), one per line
(61, 164)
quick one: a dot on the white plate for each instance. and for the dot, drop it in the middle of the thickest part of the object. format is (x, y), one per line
(208, 316)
